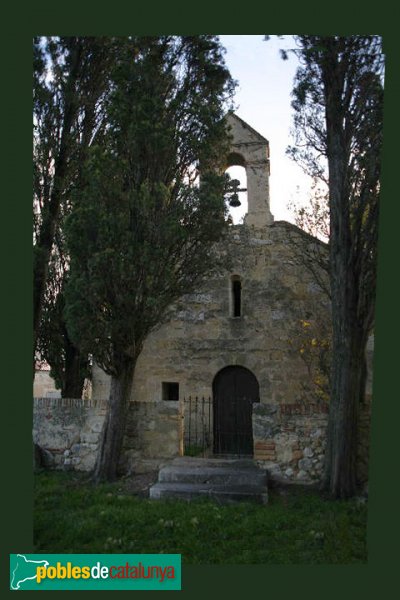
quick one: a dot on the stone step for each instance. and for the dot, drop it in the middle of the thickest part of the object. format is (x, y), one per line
(221, 493)
(226, 480)
(192, 461)
(212, 475)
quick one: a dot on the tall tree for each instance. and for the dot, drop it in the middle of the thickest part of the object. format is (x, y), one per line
(69, 367)
(70, 86)
(143, 229)
(338, 102)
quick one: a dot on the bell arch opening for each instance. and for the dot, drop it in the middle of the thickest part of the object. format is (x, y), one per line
(234, 159)
(237, 196)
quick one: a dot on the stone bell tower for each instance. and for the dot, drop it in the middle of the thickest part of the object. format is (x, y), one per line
(250, 150)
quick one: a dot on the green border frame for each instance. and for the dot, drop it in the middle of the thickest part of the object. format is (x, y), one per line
(45, 17)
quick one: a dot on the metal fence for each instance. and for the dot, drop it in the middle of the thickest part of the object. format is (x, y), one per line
(212, 429)
(197, 426)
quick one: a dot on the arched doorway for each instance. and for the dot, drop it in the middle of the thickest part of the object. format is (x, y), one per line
(234, 391)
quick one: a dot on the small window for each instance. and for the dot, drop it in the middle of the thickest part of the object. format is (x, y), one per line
(170, 391)
(236, 296)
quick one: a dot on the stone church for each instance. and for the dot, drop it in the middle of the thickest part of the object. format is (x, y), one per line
(224, 375)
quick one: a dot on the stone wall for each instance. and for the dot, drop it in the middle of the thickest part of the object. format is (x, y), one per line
(153, 434)
(68, 430)
(289, 440)
(201, 336)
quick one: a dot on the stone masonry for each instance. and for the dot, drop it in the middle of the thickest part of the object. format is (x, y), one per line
(67, 431)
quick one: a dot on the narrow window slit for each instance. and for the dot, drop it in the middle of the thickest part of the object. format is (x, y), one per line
(236, 297)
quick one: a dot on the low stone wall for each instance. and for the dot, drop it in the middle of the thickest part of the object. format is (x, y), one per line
(289, 440)
(67, 431)
(153, 434)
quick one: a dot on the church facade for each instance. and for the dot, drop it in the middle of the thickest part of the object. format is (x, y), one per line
(229, 358)
(226, 374)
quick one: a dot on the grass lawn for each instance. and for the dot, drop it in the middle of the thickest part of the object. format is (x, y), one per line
(298, 526)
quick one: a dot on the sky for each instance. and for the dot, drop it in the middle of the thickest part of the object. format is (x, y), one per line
(263, 100)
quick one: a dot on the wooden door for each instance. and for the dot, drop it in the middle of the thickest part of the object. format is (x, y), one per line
(235, 389)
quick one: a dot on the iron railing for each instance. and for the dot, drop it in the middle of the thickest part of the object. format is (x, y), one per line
(197, 426)
(208, 431)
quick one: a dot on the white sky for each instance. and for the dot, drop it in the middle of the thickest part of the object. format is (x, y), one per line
(263, 98)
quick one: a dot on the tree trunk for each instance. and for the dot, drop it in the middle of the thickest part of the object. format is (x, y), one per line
(348, 353)
(348, 383)
(73, 378)
(340, 474)
(112, 435)
(348, 347)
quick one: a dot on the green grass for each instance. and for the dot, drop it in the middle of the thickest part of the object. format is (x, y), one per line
(296, 527)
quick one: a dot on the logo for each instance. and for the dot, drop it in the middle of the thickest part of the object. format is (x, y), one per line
(95, 572)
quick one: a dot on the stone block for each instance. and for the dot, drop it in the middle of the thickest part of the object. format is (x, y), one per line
(260, 455)
(297, 454)
(95, 424)
(305, 464)
(90, 437)
(263, 429)
(317, 433)
(260, 445)
(263, 409)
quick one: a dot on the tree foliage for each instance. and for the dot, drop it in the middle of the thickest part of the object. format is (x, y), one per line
(340, 86)
(143, 227)
(71, 83)
(311, 339)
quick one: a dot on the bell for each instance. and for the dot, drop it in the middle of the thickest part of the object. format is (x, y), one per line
(234, 201)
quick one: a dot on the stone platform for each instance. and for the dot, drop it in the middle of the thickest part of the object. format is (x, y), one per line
(225, 480)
